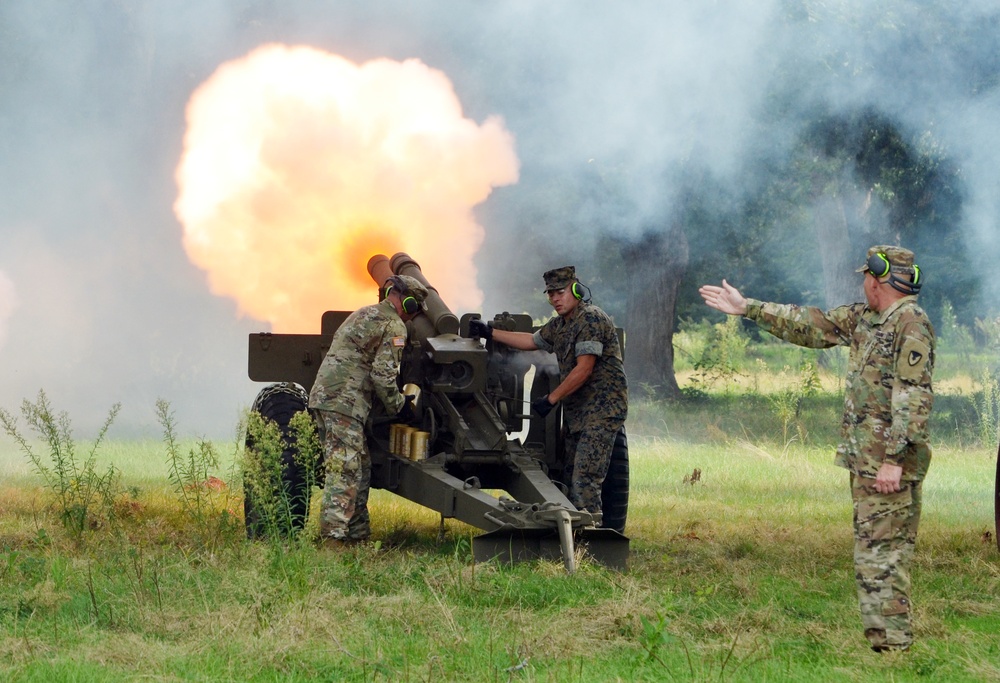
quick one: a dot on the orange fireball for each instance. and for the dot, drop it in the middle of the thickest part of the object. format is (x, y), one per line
(298, 165)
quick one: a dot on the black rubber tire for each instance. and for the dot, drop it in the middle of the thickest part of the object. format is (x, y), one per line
(614, 493)
(996, 501)
(280, 402)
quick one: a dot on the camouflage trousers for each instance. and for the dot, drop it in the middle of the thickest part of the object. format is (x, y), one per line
(344, 510)
(588, 454)
(885, 535)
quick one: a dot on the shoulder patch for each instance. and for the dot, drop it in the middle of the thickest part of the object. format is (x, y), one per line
(399, 342)
(913, 358)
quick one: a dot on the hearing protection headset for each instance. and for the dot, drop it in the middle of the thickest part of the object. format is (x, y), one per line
(407, 302)
(879, 266)
(579, 291)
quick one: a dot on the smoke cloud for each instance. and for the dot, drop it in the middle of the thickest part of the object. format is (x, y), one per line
(299, 165)
(126, 251)
(8, 302)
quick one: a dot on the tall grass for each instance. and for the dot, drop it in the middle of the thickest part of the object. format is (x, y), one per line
(744, 574)
(205, 499)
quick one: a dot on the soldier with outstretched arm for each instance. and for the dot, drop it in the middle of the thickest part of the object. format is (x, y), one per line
(593, 389)
(884, 432)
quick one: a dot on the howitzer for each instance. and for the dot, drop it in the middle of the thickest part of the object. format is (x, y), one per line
(472, 403)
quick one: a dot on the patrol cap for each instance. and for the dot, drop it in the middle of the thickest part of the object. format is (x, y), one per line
(414, 288)
(900, 259)
(559, 278)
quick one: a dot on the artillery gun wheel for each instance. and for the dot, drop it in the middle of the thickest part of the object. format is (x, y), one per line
(996, 501)
(614, 494)
(279, 402)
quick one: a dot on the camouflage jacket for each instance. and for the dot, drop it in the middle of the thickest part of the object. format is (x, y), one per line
(603, 399)
(887, 393)
(362, 363)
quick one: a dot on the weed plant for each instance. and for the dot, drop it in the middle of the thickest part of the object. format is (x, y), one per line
(84, 497)
(787, 404)
(957, 337)
(270, 455)
(205, 499)
(987, 403)
(723, 356)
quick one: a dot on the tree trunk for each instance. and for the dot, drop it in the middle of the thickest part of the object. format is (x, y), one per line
(656, 266)
(834, 241)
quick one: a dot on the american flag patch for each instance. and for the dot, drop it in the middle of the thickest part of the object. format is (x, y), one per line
(399, 342)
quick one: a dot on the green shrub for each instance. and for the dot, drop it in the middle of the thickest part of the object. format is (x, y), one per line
(204, 498)
(987, 402)
(953, 336)
(724, 357)
(84, 498)
(788, 402)
(264, 468)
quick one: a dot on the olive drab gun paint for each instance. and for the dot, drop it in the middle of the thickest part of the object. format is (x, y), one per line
(472, 400)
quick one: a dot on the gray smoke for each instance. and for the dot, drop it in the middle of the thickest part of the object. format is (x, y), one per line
(102, 305)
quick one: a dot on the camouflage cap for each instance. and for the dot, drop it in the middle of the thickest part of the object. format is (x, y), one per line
(900, 259)
(559, 278)
(414, 288)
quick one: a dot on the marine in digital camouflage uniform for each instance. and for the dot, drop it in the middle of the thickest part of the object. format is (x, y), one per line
(361, 366)
(593, 388)
(887, 402)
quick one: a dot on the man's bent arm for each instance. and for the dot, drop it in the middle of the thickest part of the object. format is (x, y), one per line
(576, 378)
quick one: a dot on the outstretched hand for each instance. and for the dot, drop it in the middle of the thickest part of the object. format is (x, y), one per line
(725, 298)
(480, 328)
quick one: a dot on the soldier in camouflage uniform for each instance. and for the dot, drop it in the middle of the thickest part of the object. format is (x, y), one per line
(887, 403)
(361, 365)
(593, 388)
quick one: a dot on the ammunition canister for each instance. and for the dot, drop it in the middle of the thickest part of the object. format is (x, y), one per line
(405, 436)
(394, 430)
(418, 445)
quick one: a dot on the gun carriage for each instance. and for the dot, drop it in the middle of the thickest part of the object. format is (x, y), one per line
(472, 413)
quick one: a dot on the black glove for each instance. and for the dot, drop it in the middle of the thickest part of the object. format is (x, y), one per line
(542, 406)
(479, 328)
(406, 413)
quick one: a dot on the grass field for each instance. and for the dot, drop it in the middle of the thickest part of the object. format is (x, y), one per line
(744, 575)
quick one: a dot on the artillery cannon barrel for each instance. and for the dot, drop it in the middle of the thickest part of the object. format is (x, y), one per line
(440, 318)
(380, 270)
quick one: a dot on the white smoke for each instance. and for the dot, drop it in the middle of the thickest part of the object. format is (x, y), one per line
(8, 304)
(92, 125)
